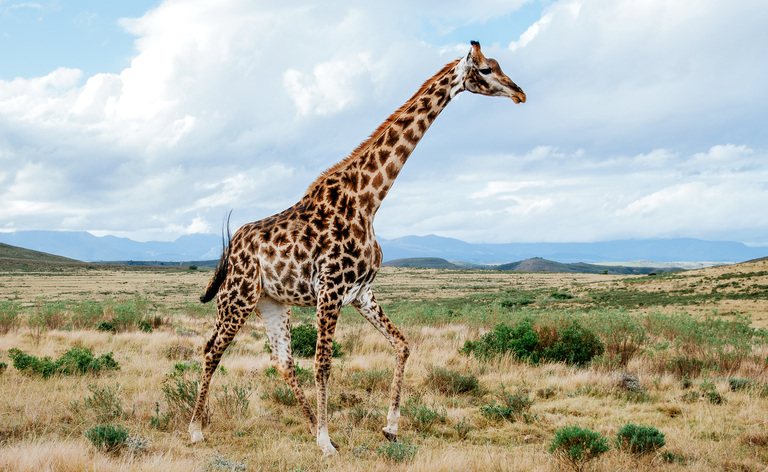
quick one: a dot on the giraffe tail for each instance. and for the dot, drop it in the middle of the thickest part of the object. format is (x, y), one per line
(221, 268)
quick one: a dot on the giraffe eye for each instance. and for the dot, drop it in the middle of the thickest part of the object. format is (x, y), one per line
(485, 71)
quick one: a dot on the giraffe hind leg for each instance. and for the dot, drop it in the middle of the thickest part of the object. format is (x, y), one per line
(231, 318)
(276, 317)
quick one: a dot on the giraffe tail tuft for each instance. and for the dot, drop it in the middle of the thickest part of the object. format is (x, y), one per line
(221, 268)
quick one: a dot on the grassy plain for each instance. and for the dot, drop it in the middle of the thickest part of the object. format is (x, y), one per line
(697, 335)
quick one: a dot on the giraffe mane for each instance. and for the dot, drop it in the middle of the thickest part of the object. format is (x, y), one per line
(382, 128)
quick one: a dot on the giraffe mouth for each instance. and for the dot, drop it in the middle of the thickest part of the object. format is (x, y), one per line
(518, 97)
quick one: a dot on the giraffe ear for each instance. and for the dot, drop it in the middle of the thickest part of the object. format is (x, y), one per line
(477, 55)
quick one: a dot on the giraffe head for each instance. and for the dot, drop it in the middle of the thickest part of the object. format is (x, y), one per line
(484, 76)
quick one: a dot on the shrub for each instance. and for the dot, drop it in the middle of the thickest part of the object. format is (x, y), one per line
(463, 428)
(180, 397)
(576, 345)
(575, 446)
(372, 380)
(78, 360)
(398, 451)
(108, 437)
(280, 394)
(511, 407)
(360, 415)
(106, 326)
(520, 340)
(450, 382)
(422, 417)
(234, 402)
(85, 313)
(304, 341)
(685, 366)
(9, 315)
(622, 332)
(217, 462)
(104, 402)
(639, 439)
(3, 367)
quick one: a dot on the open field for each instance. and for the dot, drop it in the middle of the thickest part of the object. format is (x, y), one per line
(694, 340)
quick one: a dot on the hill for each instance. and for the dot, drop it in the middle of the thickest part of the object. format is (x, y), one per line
(422, 263)
(12, 257)
(537, 264)
(84, 246)
(534, 264)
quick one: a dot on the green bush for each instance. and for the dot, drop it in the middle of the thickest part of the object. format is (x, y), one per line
(3, 367)
(78, 360)
(521, 340)
(234, 403)
(576, 345)
(108, 437)
(372, 380)
(450, 382)
(639, 439)
(282, 395)
(398, 451)
(106, 326)
(575, 446)
(511, 407)
(423, 417)
(304, 341)
(104, 403)
(9, 316)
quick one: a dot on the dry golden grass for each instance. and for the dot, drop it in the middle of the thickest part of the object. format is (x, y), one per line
(39, 429)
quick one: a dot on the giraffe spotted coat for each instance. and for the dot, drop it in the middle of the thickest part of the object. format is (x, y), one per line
(322, 251)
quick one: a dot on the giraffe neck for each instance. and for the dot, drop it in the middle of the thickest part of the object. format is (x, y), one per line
(370, 171)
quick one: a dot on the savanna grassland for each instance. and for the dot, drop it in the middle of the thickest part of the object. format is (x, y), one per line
(99, 367)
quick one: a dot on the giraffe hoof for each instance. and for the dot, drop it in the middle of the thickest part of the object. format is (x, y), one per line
(392, 437)
(196, 433)
(197, 436)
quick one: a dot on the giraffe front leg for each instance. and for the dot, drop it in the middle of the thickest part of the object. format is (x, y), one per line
(326, 326)
(367, 305)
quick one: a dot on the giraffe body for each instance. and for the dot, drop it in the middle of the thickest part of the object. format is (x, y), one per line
(323, 251)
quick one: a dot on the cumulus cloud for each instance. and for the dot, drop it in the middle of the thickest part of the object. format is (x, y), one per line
(637, 113)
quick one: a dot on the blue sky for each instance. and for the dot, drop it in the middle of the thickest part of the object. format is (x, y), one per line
(38, 37)
(152, 119)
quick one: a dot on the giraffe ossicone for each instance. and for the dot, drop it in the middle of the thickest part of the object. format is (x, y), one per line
(322, 251)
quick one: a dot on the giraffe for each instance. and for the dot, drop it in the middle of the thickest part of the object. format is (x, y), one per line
(322, 251)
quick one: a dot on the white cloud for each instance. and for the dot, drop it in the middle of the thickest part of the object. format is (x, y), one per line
(637, 113)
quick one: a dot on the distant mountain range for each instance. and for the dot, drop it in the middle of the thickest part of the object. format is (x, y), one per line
(534, 264)
(84, 246)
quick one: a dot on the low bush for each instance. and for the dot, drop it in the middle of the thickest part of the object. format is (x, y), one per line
(520, 340)
(108, 437)
(575, 344)
(180, 396)
(402, 451)
(511, 407)
(450, 382)
(9, 316)
(78, 360)
(304, 342)
(423, 417)
(104, 404)
(575, 446)
(233, 402)
(372, 380)
(639, 439)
